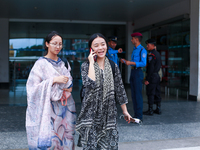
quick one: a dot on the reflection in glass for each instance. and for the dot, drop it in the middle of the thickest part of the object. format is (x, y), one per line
(174, 45)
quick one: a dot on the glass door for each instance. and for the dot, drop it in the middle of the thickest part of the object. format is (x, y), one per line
(174, 47)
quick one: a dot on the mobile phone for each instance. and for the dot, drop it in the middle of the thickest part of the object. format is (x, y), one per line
(95, 57)
(134, 120)
(124, 61)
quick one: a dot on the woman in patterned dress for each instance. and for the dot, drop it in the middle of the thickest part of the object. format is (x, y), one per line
(51, 113)
(97, 121)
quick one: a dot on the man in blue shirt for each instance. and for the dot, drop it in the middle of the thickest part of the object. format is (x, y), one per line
(138, 60)
(112, 53)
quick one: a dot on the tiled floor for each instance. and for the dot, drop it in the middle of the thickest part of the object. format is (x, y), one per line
(179, 119)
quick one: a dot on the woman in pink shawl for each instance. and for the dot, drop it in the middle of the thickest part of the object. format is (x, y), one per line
(51, 114)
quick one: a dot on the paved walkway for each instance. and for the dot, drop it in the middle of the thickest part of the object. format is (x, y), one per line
(177, 128)
(175, 144)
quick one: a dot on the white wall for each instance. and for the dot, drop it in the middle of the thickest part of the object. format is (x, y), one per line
(164, 14)
(4, 50)
(129, 50)
(194, 50)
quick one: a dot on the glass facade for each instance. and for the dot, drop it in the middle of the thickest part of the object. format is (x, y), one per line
(26, 43)
(173, 43)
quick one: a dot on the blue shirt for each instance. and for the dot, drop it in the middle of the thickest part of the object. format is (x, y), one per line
(135, 57)
(113, 55)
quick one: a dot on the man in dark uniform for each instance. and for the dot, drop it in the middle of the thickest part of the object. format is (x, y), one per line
(138, 60)
(152, 81)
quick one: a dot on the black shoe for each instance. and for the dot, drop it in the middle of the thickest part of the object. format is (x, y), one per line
(149, 113)
(157, 111)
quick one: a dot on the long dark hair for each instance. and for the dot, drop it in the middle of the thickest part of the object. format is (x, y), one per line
(94, 36)
(49, 38)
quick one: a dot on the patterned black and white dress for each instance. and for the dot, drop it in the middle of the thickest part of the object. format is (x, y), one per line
(97, 121)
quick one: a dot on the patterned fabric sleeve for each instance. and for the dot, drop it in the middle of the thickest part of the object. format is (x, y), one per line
(87, 82)
(120, 92)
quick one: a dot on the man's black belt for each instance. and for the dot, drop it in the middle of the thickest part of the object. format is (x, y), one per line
(134, 67)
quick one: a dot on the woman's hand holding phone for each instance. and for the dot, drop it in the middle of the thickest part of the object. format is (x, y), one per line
(92, 56)
(91, 71)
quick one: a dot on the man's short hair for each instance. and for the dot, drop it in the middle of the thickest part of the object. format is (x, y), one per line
(151, 41)
(139, 38)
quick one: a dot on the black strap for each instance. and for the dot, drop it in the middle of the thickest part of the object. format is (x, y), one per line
(66, 64)
(112, 66)
(140, 53)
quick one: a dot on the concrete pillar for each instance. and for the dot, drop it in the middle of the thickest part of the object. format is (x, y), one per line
(194, 93)
(4, 51)
(129, 49)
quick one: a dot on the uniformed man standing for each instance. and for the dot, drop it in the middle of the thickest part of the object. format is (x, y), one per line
(112, 53)
(152, 81)
(138, 60)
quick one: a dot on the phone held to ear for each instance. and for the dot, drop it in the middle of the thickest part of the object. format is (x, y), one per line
(95, 57)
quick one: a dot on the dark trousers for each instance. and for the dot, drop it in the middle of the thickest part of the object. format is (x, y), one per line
(153, 92)
(136, 80)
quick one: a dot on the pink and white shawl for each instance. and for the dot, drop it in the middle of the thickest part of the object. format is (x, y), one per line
(48, 123)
